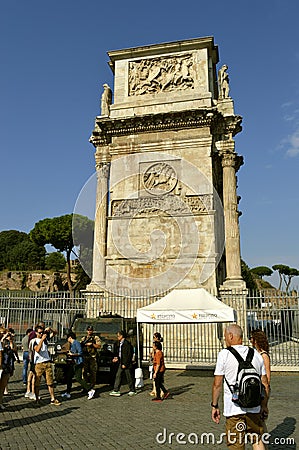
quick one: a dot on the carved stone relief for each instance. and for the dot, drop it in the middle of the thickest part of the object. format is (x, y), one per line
(159, 178)
(148, 76)
(166, 205)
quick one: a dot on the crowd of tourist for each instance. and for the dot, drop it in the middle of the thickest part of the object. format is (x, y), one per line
(234, 362)
(81, 363)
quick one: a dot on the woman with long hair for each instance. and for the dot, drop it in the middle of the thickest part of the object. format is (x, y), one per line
(260, 343)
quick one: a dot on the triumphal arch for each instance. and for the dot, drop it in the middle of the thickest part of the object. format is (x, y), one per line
(167, 206)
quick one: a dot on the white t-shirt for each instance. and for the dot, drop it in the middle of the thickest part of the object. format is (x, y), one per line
(227, 365)
(43, 355)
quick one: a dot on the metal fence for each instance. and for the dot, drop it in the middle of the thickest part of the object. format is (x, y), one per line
(21, 310)
(189, 344)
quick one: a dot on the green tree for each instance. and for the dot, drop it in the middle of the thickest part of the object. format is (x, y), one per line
(55, 261)
(64, 233)
(18, 252)
(83, 234)
(82, 278)
(247, 276)
(57, 232)
(292, 272)
(282, 270)
(286, 274)
(261, 271)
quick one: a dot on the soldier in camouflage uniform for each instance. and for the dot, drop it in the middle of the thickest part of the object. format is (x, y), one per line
(90, 345)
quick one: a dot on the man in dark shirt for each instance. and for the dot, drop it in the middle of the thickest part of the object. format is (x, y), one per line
(124, 359)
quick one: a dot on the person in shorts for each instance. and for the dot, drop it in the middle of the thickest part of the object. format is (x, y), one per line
(43, 365)
(242, 424)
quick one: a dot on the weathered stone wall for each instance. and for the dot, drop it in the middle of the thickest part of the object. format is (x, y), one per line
(34, 281)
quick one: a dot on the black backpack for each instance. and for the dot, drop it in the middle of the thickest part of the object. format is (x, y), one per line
(247, 390)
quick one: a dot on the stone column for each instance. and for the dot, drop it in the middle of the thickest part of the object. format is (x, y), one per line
(233, 292)
(230, 164)
(100, 226)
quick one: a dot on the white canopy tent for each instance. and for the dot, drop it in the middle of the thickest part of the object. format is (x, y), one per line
(186, 306)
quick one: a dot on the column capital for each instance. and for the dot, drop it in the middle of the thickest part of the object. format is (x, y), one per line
(231, 159)
(102, 158)
(103, 167)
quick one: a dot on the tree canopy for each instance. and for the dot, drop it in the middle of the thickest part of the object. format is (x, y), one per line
(57, 232)
(262, 271)
(18, 252)
(55, 261)
(64, 233)
(286, 274)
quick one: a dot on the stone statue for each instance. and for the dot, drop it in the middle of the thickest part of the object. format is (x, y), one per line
(223, 82)
(106, 100)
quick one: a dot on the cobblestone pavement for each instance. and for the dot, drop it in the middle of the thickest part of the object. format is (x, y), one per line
(125, 422)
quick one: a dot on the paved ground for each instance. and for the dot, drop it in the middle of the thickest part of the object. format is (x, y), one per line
(107, 422)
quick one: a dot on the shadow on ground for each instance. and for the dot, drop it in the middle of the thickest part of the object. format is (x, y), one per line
(34, 418)
(280, 436)
(197, 373)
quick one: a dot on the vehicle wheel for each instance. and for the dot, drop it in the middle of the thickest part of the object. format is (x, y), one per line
(59, 375)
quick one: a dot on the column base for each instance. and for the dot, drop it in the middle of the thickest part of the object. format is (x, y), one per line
(233, 283)
(98, 286)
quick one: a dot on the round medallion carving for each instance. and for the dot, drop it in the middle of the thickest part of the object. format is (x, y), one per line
(159, 178)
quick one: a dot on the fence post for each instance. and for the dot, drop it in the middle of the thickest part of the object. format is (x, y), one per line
(237, 299)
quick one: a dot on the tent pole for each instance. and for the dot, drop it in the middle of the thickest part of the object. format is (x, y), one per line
(138, 346)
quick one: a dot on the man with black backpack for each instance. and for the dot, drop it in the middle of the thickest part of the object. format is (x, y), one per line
(243, 373)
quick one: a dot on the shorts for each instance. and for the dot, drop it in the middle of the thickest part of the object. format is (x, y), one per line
(242, 429)
(46, 370)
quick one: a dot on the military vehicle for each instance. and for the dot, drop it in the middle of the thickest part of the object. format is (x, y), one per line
(106, 327)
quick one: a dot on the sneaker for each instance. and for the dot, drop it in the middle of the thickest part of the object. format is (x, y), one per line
(55, 402)
(166, 395)
(91, 394)
(131, 393)
(115, 393)
(27, 394)
(157, 400)
(66, 395)
(32, 396)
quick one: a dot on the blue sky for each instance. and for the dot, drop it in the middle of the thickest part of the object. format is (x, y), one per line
(53, 65)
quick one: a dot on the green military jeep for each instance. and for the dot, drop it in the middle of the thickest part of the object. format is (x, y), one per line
(106, 327)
